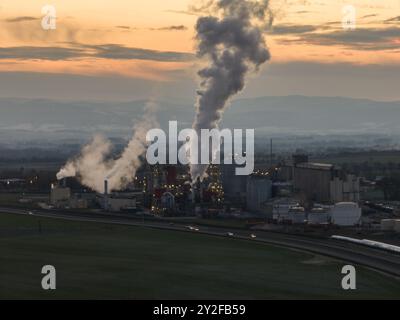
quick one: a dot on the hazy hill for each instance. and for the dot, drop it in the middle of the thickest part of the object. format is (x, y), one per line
(22, 119)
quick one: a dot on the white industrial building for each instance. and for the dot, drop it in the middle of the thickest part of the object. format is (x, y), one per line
(346, 214)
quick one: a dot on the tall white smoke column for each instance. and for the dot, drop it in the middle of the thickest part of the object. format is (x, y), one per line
(233, 45)
(93, 165)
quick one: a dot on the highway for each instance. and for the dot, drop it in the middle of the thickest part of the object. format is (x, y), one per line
(372, 258)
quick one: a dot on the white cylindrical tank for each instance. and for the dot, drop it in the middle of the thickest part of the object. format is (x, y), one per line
(387, 224)
(397, 226)
(346, 214)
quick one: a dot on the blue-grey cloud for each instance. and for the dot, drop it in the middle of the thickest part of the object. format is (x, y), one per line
(120, 52)
(105, 51)
(371, 39)
(41, 53)
(287, 29)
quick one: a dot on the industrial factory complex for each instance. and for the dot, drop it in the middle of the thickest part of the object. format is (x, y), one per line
(289, 193)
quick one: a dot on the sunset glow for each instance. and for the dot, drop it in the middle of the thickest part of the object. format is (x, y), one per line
(302, 31)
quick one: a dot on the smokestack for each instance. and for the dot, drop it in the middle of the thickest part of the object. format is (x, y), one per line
(105, 195)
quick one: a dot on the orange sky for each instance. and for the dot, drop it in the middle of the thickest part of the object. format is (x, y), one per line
(168, 25)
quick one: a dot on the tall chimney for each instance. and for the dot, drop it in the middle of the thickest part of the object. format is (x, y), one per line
(106, 195)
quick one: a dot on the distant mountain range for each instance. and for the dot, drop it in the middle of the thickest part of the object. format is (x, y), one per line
(24, 119)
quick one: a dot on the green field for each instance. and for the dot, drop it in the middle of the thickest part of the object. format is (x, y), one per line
(119, 262)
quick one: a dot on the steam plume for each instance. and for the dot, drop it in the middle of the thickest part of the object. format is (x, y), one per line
(233, 45)
(93, 165)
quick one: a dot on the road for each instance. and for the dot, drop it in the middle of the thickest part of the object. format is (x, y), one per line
(376, 259)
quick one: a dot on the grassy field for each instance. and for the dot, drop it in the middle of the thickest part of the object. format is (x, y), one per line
(102, 261)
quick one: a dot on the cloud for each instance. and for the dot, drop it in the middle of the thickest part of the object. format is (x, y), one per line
(123, 27)
(105, 51)
(172, 28)
(22, 18)
(393, 20)
(186, 12)
(369, 16)
(42, 53)
(285, 29)
(313, 78)
(120, 52)
(359, 39)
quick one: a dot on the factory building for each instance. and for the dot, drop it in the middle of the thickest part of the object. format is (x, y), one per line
(78, 203)
(234, 186)
(168, 202)
(59, 195)
(345, 190)
(390, 225)
(281, 207)
(319, 182)
(313, 180)
(119, 203)
(297, 215)
(115, 202)
(259, 191)
(318, 215)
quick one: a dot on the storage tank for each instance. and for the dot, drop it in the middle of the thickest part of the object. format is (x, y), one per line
(387, 224)
(346, 214)
(318, 216)
(297, 215)
(397, 226)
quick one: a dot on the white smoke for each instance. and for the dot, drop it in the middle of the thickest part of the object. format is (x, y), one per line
(94, 164)
(232, 42)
